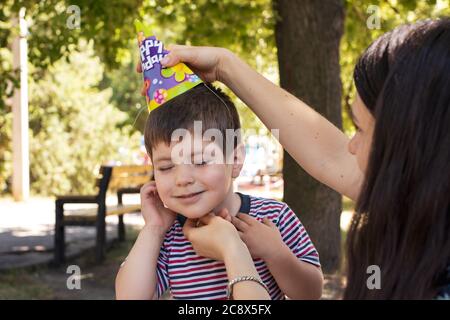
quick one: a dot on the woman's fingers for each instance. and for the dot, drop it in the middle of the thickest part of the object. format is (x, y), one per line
(239, 224)
(188, 227)
(179, 54)
(207, 218)
(139, 67)
(269, 223)
(225, 214)
(172, 47)
(246, 218)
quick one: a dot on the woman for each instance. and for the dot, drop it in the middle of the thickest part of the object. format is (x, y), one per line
(397, 166)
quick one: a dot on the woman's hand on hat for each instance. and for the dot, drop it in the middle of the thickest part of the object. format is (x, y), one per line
(206, 62)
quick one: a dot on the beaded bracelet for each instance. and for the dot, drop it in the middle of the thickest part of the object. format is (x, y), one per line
(243, 278)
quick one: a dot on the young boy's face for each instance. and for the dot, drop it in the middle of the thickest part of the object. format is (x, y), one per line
(192, 185)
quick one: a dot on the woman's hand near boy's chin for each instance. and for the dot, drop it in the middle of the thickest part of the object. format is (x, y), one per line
(262, 238)
(153, 210)
(212, 236)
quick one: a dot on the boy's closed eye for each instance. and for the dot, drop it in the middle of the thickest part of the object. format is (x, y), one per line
(164, 165)
(170, 166)
(165, 168)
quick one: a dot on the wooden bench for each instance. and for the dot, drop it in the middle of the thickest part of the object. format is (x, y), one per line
(119, 179)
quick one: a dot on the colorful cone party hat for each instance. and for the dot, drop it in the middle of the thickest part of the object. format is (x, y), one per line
(161, 84)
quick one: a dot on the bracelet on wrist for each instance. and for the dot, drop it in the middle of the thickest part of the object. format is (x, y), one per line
(244, 278)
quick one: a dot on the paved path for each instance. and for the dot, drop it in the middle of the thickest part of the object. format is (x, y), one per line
(27, 229)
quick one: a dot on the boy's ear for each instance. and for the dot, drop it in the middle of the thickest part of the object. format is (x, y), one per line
(238, 160)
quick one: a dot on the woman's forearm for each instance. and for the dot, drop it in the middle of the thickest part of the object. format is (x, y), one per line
(314, 142)
(239, 263)
(136, 279)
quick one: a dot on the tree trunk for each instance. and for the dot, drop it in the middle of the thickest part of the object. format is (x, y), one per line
(307, 35)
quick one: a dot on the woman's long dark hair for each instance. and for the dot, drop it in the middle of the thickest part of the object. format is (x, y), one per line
(402, 217)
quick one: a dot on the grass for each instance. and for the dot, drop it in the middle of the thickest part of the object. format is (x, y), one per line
(23, 284)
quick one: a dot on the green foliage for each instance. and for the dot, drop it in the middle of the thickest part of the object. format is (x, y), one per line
(74, 127)
(246, 27)
(126, 84)
(358, 36)
(51, 37)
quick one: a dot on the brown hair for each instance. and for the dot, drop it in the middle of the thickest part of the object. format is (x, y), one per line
(203, 103)
(402, 218)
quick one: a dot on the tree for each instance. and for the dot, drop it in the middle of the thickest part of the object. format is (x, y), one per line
(50, 39)
(360, 31)
(74, 127)
(53, 35)
(307, 37)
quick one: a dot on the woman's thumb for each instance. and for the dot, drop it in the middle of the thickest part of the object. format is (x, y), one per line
(206, 219)
(225, 214)
(187, 228)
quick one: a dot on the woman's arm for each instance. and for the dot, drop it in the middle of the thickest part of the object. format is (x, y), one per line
(314, 142)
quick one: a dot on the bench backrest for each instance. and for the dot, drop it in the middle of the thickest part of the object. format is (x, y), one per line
(116, 177)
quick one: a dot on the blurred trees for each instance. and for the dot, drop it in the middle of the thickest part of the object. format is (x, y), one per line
(360, 14)
(53, 39)
(74, 127)
(53, 33)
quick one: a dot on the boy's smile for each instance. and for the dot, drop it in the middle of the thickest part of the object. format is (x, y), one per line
(189, 198)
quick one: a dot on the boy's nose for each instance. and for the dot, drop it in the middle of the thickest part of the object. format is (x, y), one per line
(184, 176)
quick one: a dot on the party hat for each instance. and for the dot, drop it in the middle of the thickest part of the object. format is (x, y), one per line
(161, 84)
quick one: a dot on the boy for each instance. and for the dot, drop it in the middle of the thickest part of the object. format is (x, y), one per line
(193, 178)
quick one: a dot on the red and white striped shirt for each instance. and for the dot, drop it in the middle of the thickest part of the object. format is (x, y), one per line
(190, 276)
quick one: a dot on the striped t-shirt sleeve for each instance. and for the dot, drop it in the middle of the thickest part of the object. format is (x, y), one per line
(296, 238)
(162, 274)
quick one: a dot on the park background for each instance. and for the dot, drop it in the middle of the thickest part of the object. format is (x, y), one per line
(85, 110)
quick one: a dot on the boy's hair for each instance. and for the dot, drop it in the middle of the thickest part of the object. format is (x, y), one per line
(200, 103)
